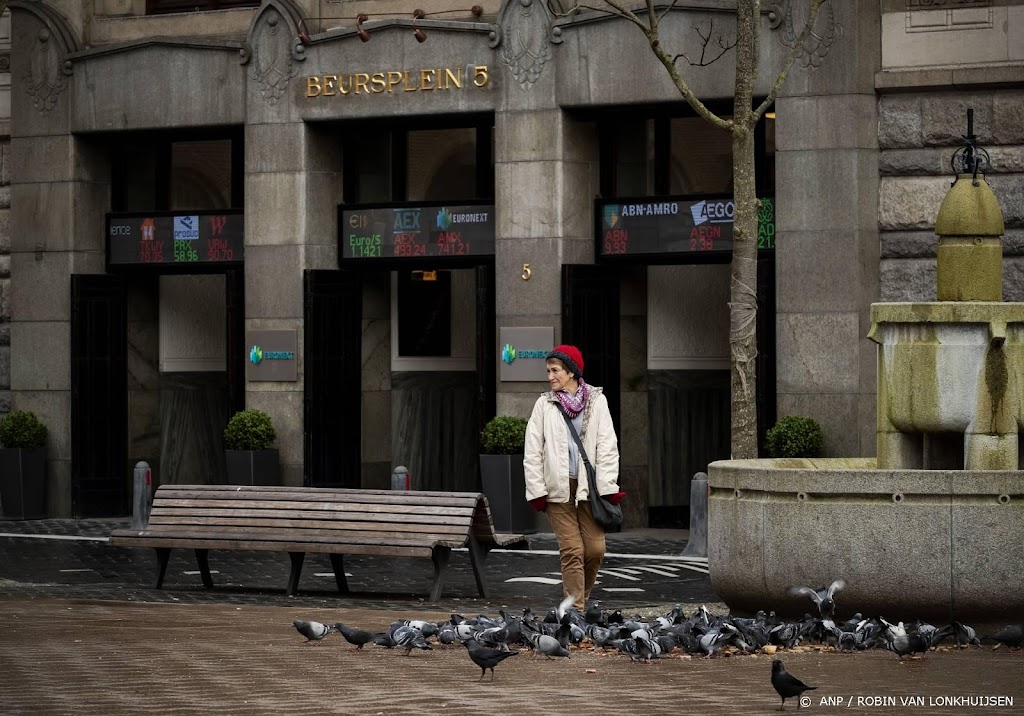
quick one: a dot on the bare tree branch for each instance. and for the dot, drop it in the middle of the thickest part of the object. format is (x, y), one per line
(794, 52)
(667, 10)
(618, 10)
(705, 41)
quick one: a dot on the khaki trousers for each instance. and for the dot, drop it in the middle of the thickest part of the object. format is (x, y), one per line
(580, 546)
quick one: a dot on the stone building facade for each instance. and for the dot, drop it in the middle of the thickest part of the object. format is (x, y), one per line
(289, 112)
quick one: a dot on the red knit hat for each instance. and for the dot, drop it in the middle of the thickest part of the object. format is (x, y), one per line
(571, 356)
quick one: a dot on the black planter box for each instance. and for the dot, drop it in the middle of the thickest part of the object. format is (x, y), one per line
(504, 484)
(23, 483)
(253, 467)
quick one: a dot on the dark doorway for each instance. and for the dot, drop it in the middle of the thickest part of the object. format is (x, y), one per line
(590, 321)
(333, 350)
(99, 394)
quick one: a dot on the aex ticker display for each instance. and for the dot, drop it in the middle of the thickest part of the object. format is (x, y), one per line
(422, 231)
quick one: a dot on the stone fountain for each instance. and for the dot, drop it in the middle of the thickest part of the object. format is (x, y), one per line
(934, 526)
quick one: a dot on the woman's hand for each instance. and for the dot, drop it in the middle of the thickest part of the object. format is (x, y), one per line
(540, 504)
(616, 498)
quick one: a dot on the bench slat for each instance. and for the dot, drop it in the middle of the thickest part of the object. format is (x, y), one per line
(179, 542)
(464, 499)
(423, 535)
(199, 532)
(322, 506)
(325, 515)
(334, 524)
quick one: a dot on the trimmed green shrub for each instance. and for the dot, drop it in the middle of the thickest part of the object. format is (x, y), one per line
(249, 429)
(22, 429)
(503, 435)
(795, 436)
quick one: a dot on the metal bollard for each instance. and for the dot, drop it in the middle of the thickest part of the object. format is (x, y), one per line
(697, 546)
(402, 479)
(141, 495)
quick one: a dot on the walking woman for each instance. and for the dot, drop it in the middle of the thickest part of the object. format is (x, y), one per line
(556, 479)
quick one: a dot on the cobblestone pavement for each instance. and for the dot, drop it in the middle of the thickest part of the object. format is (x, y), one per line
(114, 658)
(70, 558)
(82, 631)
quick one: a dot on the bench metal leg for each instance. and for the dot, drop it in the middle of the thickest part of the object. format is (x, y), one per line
(162, 555)
(338, 565)
(476, 559)
(439, 555)
(202, 559)
(293, 578)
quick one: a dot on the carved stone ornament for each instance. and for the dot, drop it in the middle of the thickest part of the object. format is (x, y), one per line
(826, 31)
(525, 36)
(274, 48)
(46, 68)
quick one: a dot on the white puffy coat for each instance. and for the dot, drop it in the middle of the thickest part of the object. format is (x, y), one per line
(546, 452)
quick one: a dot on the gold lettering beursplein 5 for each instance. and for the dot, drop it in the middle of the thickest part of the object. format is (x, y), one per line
(391, 81)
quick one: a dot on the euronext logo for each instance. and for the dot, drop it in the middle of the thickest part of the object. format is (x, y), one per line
(257, 355)
(509, 353)
(444, 220)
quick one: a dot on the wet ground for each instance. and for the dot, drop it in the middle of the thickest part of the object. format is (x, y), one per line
(65, 656)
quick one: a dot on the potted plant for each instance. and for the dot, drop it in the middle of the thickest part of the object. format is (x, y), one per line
(250, 459)
(795, 436)
(501, 474)
(23, 466)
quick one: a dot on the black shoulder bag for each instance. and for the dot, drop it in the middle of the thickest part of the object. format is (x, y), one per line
(605, 513)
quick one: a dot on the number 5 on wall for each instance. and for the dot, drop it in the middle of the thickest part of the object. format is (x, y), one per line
(527, 272)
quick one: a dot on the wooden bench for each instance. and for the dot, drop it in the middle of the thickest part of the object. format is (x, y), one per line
(337, 522)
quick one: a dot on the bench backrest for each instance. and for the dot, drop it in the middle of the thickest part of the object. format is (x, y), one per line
(323, 514)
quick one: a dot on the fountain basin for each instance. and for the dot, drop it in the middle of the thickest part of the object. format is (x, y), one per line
(935, 544)
(949, 367)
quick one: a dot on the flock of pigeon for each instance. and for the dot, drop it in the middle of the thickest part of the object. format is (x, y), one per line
(490, 641)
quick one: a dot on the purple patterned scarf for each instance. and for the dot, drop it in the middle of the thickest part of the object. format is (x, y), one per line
(573, 405)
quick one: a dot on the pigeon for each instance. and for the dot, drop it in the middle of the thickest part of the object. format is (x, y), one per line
(594, 615)
(1012, 636)
(786, 685)
(486, 658)
(714, 640)
(962, 632)
(356, 637)
(563, 607)
(547, 645)
(908, 644)
(385, 639)
(427, 629)
(410, 638)
(822, 596)
(313, 631)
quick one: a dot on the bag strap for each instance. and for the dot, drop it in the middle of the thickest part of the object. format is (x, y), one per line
(576, 437)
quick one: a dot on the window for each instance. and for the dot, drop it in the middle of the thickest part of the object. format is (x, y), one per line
(661, 152)
(701, 157)
(201, 175)
(160, 7)
(162, 171)
(441, 164)
(418, 160)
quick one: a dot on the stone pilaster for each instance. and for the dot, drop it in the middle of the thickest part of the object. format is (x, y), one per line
(827, 249)
(58, 197)
(545, 181)
(293, 186)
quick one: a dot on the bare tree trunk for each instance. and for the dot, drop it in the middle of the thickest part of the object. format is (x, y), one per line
(743, 284)
(743, 289)
(743, 300)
